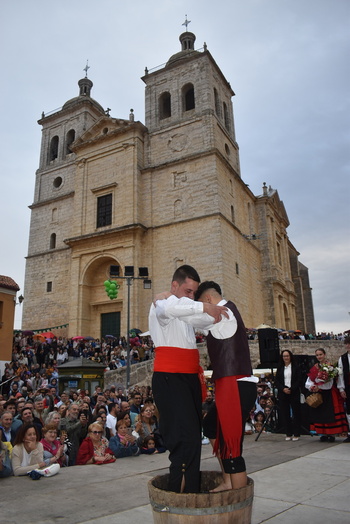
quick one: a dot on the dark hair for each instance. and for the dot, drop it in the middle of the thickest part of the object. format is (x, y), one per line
(347, 340)
(147, 439)
(321, 349)
(281, 361)
(122, 414)
(207, 284)
(258, 414)
(184, 272)
(23, 430)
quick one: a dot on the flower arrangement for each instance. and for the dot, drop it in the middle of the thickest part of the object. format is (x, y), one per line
(327, 372)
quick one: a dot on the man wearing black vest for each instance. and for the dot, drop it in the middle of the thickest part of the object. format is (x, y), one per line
(235, 388)
(344, 381)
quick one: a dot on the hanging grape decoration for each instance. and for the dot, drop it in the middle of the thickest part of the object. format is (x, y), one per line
(111, 288)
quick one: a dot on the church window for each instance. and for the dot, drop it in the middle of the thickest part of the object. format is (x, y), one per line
(53, 241)
(57, 182)
(48, 287)
(104, 210)
(227, 150)
(226, 118)
(54, 215)
(69, 140)
(233, 214)
(237, 268)
(165, 106)
(54, 148)
(188, 97)
(217, 103)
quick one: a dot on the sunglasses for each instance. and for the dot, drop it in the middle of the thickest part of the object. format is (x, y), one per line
(97, 432)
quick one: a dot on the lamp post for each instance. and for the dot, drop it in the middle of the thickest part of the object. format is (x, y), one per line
(147, 284)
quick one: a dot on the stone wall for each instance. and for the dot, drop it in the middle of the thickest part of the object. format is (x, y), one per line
(141, 374)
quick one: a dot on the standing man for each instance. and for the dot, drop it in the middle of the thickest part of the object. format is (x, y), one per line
(235, 388)
(176, 385)
(344, 381)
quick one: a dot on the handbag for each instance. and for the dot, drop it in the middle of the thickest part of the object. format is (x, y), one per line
(314, 400)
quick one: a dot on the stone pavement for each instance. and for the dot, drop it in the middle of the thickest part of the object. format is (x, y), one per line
(306, 482)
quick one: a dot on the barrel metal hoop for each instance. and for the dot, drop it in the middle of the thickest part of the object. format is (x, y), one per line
(160, 508)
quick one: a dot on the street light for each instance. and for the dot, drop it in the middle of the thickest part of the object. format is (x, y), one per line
(129, 276)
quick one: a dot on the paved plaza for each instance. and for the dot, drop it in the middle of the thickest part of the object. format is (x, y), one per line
(295, 482)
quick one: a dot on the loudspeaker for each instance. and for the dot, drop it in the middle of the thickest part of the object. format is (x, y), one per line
(143, 272)
(114, 271)
(269, 347)
(129, 271)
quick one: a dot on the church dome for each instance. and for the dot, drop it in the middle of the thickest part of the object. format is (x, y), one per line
(85, 86)
(187, 40)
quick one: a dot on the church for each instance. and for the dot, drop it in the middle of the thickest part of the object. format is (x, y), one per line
(148, 197)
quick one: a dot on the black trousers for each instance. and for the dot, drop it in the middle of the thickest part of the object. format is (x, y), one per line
(178, 399)
(291, 420)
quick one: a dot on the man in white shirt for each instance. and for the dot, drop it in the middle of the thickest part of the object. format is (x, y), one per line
(111, 421)
(176, 385)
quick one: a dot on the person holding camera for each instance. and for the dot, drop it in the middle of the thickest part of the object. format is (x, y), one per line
(75, 424)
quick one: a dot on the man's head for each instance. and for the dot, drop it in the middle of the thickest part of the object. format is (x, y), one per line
(137, 399)
(208, 291)
(10, 406)
(124, 406)
(73, 411)
(185, 282)
(347, 344)
(19, 404)
(6, 420)
(39, 403)
(27, 415)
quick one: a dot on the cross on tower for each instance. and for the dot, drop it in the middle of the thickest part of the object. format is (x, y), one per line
(186, 22)
(86, 68)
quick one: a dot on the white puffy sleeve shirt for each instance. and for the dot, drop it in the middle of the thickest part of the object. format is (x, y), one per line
(172, 322)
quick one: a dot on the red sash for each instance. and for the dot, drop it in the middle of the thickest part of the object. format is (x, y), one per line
(170, 359)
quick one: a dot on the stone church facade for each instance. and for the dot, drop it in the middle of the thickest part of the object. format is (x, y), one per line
(168, 192)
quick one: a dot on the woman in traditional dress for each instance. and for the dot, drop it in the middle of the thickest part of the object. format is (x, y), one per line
(328, 419)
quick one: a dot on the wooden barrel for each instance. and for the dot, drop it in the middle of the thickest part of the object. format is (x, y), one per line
(226, 507)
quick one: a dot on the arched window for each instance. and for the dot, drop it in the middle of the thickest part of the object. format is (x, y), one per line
(53, 241)
(226, 118)
(54, 215)
(217, 103)
(53, 148)
(69, 140)
(165, 106)
(188, 102)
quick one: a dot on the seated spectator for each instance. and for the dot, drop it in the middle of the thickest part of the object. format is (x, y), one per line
(149, 425)
(149, 446)
(94, 448)
(8, 434)
(102, 419)
(75, 423)
(54, 451)
(5, 461)
(123, 444)
(28, 452)
(259, 420)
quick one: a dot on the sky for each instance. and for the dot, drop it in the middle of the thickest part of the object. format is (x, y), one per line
(287, 62)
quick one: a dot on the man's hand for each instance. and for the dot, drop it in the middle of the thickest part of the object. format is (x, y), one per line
(215, 311)
(162, 296)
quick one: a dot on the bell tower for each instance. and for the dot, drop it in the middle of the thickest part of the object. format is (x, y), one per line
(188, 108)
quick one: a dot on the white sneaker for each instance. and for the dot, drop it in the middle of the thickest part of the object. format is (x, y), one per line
(205, 440)
(295, 439)
(288, 438)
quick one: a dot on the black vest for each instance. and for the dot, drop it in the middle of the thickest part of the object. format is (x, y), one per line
(346, 370)
(230, 356)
